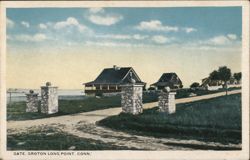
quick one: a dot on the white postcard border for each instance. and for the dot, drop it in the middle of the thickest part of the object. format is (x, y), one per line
(243, 154)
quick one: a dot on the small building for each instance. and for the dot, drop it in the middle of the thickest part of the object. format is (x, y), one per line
(209, 84)
(170, 80)
(233, 81)
(110, 80)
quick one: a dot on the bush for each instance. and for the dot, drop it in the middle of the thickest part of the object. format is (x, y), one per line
(194, 85)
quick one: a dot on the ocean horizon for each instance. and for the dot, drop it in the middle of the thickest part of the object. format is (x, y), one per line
(16, 95)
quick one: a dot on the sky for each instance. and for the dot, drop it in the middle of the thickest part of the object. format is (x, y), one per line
(71, 46)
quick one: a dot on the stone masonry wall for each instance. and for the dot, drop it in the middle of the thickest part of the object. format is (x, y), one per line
(49, 101)
(167, 102)
(32, 102)
(131, 99)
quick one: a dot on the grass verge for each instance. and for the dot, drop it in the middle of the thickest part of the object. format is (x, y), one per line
(216, 120)
(16, 110)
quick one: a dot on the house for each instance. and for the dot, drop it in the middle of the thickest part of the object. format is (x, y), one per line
(110, 80)
(209, 84)
(233, 81)
(168, 80)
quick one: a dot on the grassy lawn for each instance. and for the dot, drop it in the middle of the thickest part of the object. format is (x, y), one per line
(182, 93)
(16, 110)
(216, 120)
(54, 139)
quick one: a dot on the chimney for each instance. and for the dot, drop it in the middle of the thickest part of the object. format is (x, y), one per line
(116, 67)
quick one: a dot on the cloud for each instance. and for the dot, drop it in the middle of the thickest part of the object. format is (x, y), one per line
(71, 21)
(105, 20)
(39, 37)
(107, 44)
(69, 25)
(232, 36)
(96, 10)
(189, 29)
(62, 31)
(222, 40)
(139, 37)
(111, 44)
(25, 24)
(100, 17)
(122, 36)
(10, 23)
(215, 43)
(155, 25)
(42, 26)
(114, 36)
(160, 39)
(195, 46)
(219, 40)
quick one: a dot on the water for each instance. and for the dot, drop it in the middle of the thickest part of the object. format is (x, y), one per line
(68, 94)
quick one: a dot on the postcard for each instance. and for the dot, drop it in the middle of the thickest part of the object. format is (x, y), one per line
(124, 80)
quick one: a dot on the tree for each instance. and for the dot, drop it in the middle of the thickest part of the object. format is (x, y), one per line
(214, 75)
(224, 75)
(194, 85)
(237, 76)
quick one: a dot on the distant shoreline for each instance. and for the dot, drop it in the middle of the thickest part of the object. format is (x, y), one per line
(18, 95)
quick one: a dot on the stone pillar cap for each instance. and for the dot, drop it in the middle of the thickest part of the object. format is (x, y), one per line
(31, 92)
(48, 85)
(166, 89)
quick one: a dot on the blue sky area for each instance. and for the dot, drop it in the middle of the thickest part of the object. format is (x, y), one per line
(80, 42)
(175, 24)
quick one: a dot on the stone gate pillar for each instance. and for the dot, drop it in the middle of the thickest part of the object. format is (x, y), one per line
(167, 101)
(131, 98)
(49, 101)
(31, 101)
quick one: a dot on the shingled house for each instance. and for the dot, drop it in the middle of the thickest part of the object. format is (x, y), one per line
(168, 80)
(110, 80)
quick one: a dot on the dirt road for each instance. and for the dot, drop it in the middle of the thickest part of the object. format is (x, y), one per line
(70, 123)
